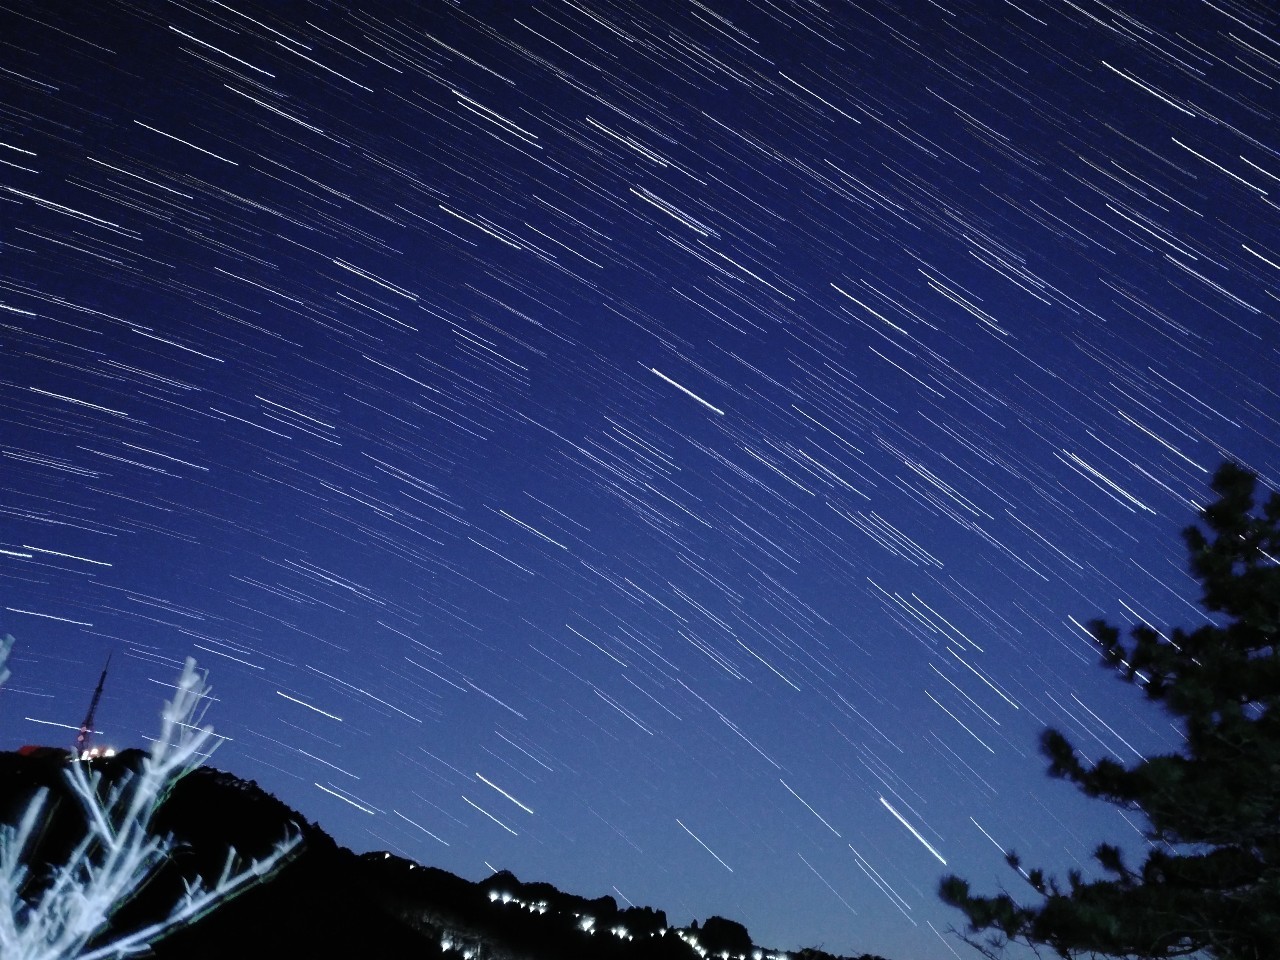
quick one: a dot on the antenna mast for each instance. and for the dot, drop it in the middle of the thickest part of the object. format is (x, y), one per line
(86, 729)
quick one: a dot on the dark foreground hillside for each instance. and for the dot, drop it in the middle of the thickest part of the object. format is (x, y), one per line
(329, 902)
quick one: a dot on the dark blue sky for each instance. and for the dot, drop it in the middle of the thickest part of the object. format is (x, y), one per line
(658, 449)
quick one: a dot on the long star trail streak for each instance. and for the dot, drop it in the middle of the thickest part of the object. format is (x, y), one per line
(914, 832)
(704, 846)
(645, 404)
(686, 391)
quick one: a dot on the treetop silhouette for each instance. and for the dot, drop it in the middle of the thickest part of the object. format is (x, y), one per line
(1211, 879)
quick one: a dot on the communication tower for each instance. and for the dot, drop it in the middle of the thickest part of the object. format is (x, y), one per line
(82, 749)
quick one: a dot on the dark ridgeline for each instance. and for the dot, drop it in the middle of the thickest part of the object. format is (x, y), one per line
(329, 902)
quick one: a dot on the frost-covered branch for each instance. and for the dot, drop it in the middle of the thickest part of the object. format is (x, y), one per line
(6, 644)
(119, 852)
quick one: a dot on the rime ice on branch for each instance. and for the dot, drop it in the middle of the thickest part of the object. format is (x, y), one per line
(72, 908)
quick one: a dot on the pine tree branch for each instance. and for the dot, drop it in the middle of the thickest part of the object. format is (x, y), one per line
(1215, 803)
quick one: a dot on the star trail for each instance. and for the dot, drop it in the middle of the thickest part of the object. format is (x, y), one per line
(666, 449)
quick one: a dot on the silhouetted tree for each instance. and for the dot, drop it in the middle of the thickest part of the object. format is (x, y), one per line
(643, 921)
(721, 935)
(1211, 880)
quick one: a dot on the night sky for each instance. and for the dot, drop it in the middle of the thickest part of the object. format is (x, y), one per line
(664, 449)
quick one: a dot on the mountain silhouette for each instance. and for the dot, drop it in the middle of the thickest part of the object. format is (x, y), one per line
(327, 901)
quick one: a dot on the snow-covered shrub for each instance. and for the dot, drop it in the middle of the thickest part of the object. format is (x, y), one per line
(74, 904)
